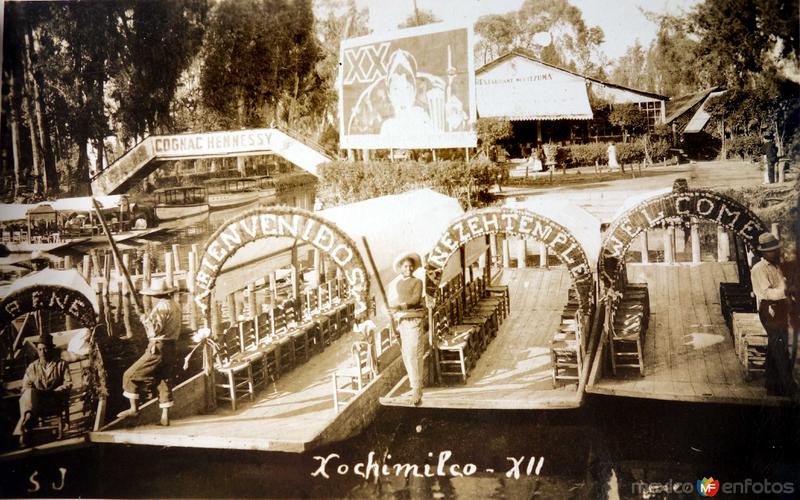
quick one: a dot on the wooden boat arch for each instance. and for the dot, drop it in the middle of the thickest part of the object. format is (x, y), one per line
(277, 222)
(680, 203)
(521, 223)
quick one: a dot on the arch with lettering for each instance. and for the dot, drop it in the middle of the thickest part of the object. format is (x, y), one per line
(680, 203)
(522, 223)
(48, 298)
(277, 222)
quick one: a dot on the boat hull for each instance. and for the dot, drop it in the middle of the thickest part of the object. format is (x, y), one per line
(231, 200)
(172, 212)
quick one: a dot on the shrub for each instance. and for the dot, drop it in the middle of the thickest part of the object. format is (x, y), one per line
(659, 150)
(746, 147)
(583, 155)
(347, 182)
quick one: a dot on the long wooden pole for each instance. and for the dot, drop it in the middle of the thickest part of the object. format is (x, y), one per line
(117, 257)
(380, 284)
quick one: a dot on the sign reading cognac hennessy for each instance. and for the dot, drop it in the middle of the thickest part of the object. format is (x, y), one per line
(701, 204)
(215, 142)
(47, 298)
(558, 239)
(276, 222)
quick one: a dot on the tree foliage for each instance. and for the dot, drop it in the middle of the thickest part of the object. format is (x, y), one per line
(420, 17)
(575, 45)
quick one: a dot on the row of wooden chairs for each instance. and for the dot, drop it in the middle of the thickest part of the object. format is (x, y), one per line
(566, 347)
(630, 323)
(253, 352)
(465, 322)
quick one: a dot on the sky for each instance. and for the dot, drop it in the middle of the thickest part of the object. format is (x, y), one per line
(621, 20)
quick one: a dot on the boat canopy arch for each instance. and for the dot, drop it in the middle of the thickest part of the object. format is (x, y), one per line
(520, 222)
(280, 222)
(680, 203)
(63, 291)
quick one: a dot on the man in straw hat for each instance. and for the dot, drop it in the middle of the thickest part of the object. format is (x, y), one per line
(405, 301)
(771, 290)
(163, 326)
(45, 386)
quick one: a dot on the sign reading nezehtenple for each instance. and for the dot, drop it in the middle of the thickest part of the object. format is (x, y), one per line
(47, 298)
(412, 88)
(701, 204)
(522, 223)
(277, 222)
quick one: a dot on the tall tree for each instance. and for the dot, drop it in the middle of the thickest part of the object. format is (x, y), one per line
(419, 17)
(574, 44)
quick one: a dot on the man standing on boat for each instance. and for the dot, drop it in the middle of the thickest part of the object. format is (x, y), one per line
(405, 301)
(163, 326)
(771, 291)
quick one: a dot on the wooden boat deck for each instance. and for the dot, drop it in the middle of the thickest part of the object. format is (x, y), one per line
(515, 370)
(293, 414)
(688, 351)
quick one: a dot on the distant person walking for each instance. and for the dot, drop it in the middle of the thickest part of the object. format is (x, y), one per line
(770, 158)
(612, 156)
(771, 291)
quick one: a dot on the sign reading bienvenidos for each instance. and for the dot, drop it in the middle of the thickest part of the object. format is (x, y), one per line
(559, 240)
(706, 205)
(412, 88)
(276, 222)
(47, 298)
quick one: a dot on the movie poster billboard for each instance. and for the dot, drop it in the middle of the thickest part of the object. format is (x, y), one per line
(409, 89)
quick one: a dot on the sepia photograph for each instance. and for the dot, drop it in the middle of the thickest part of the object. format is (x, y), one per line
(406, 249)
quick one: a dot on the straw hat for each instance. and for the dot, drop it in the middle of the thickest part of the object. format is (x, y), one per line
(158, 287)
(413, 256)
(768, 242)
(46, 340)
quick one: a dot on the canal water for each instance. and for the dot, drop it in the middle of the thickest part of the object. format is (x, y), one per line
(609, 448)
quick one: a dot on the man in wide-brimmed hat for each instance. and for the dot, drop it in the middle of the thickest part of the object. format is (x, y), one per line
(163, 326)
(405, 301)
(45, 385)
(770, 289)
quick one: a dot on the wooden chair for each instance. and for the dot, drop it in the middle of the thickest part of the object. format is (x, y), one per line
(452, 343)
(250, 351)
(630, 326)
(355, 377)
(236, 372)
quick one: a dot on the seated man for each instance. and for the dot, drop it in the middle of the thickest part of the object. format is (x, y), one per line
(45, 386)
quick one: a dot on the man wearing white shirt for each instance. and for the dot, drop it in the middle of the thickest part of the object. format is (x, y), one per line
(770, 289)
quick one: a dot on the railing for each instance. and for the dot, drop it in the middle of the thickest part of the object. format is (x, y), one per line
(111, 163)
(305, 139)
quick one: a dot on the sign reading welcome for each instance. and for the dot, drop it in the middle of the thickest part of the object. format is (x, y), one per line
(702, 204)
(47, 298)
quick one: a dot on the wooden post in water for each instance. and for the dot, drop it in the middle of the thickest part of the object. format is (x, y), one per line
(106, 273)
(176, 256)
(723, 245)
(190, 273)
(168, 276)
(645, 248)
(695, 235)
(146, 270)
(95, 263)
(669, 244)
(522, 250)
(542, 254)
(251, 300)
(231, 302)
(69, 323)
(68, 262)
(126, 316)
(126, 262)
(87, 268)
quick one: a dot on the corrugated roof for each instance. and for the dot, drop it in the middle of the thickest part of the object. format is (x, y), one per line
(680, 105)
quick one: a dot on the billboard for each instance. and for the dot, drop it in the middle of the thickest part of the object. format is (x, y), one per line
(409, 89)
